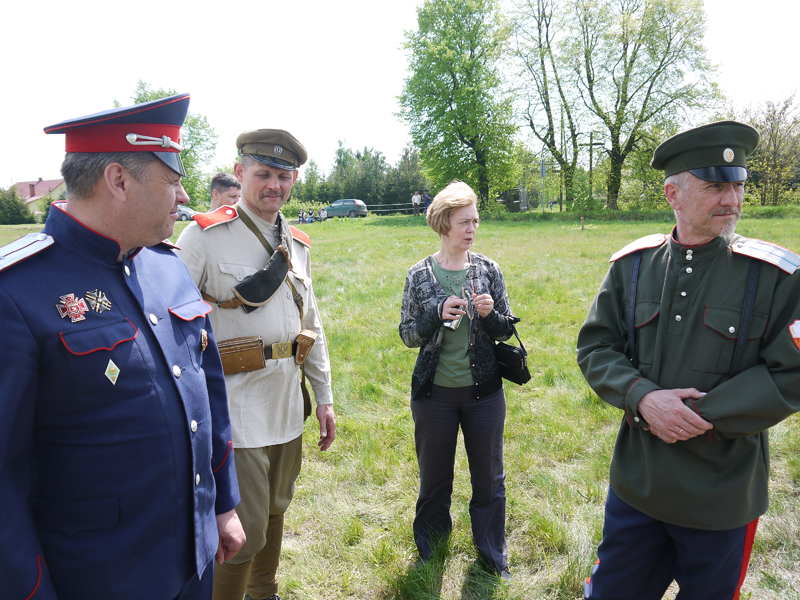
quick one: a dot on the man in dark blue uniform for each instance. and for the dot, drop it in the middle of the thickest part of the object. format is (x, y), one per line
(116, 463)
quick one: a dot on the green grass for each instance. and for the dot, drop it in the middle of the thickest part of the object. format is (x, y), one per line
(348, 530)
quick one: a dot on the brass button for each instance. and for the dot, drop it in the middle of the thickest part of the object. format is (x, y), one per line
(732, 329)
(688, 269)
(683, 294)
(678, 317)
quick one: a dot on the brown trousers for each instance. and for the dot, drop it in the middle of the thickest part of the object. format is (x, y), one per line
(266, 484)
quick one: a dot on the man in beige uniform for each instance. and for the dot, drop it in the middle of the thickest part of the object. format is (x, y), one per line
(221, 251)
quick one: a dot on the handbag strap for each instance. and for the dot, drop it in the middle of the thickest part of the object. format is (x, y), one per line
(514, 329)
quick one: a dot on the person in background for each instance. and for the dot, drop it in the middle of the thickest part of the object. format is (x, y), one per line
(696, 337)
(416, 200)
(117, 476)
(225, 191)
(455, 307)
(426, 198)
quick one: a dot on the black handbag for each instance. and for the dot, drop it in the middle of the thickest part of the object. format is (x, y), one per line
(512, 361)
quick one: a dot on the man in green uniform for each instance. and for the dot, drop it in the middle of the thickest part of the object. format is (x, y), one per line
(696, 336)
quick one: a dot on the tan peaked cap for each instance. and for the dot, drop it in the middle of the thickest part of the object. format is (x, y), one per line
(275, 147)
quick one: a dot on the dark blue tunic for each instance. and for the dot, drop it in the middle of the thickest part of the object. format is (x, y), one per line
(115, 451)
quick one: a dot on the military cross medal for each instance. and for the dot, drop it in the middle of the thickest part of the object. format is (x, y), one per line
(98, 301)
(72, 307)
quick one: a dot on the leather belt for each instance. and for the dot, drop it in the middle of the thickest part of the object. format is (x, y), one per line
(280, 350)
(232, 303)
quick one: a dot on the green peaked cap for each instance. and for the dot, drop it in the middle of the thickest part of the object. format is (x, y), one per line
(714, 152)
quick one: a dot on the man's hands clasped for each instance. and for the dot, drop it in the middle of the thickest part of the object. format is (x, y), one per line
(669, 418)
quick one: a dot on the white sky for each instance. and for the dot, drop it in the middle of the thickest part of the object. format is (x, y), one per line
(324, 70)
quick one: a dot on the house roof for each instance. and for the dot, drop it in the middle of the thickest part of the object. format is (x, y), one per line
(31, 191)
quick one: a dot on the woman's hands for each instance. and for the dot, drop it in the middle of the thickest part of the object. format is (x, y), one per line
(483, 304)
(455, 307)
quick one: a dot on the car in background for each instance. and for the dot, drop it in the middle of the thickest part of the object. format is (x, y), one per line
(347, 208)
(185, 213)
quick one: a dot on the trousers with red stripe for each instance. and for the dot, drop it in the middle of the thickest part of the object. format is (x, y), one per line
(639, 558)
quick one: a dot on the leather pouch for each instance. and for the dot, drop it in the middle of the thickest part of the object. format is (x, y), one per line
(305, 341)
(240, 355)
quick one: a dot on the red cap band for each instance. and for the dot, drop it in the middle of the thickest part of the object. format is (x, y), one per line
(111, 137)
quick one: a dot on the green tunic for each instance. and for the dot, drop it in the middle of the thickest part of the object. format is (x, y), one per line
(688, 310)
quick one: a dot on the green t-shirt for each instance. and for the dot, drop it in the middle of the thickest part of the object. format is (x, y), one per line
(453, 369)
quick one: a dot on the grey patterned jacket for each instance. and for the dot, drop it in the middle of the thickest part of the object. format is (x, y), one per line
(421, 327)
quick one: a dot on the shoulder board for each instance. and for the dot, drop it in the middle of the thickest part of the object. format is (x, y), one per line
(649, 241)
(168, 244)
(781, 257)
(300, 236)
(223, 214)
(23, 248)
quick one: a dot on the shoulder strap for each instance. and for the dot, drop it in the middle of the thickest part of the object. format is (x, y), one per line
(252, 227)
(637, 259)
(747, 313)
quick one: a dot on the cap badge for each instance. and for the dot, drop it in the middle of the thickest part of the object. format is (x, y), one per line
(112, 372)
(136, 139)
(98, 301)
(794, 330)
(728, 155)
(72, 307)
(278, 149)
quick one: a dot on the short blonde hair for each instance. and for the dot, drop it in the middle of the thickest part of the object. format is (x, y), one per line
(456, 195)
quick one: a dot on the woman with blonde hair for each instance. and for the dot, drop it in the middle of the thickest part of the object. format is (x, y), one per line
(455, 307)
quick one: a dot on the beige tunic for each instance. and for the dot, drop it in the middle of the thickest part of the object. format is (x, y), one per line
(266, 406)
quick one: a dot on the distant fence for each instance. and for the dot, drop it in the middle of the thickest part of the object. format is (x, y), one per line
(402, 208)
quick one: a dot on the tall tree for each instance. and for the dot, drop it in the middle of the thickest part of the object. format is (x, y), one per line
(405, 177)
(460, 117)
(637, 61)
(199, 143)
(549, 99)
(778, 151)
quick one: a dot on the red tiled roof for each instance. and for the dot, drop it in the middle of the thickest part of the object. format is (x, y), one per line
(41, 187)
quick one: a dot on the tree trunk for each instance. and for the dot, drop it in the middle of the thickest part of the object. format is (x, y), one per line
(614, 181)
(483, 179)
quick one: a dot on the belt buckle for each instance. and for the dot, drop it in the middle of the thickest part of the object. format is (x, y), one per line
(282, 350)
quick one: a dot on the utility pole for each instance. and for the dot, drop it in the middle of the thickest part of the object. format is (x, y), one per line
(542, 172)
(591, 145)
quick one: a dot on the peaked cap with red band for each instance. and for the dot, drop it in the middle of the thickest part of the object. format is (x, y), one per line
(148, 127)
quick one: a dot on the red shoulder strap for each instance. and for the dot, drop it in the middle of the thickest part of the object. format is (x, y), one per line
(300, 236)
(222, 215)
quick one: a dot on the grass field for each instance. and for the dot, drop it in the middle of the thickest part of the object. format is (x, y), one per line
(348, 531)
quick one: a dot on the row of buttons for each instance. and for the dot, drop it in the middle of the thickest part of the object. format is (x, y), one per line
(176, 370)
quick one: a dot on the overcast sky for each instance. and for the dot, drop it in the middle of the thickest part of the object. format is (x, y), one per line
(326, 71)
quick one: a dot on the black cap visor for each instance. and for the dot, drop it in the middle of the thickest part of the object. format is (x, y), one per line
(274, 162)
(720, 174)
(173, 161)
